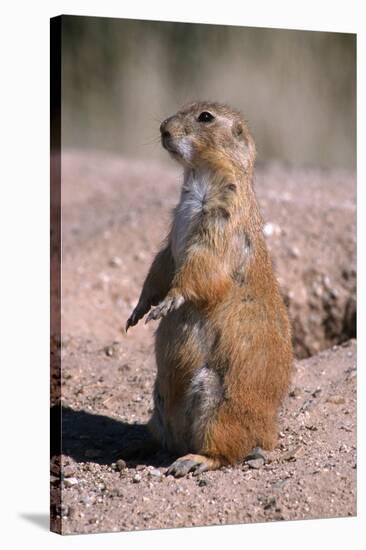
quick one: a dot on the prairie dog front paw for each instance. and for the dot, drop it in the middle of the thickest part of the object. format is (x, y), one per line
(170, 303)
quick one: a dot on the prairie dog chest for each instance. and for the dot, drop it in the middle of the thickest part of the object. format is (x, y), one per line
(187, 212)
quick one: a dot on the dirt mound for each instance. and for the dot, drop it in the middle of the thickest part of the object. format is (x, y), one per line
(311, 228)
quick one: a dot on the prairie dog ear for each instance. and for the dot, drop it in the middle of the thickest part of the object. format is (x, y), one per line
(238, 130)
(249, 141)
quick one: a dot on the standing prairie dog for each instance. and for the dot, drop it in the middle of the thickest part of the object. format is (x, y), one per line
(223, 345)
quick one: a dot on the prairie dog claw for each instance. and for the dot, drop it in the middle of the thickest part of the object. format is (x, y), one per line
(136, 315)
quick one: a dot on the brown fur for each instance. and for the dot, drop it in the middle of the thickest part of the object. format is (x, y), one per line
(223, 346)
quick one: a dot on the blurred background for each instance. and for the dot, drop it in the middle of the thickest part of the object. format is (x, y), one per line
(297, 89)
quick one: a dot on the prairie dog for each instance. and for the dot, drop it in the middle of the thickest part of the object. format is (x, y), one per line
(223, 345)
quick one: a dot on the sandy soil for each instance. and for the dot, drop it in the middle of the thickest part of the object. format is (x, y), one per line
(115, 213)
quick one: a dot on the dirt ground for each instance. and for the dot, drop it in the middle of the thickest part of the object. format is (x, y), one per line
(115, 214)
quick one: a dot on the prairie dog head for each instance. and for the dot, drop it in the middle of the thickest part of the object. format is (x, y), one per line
(207, 134)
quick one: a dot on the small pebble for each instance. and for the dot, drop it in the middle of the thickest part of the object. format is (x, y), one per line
(155, 473)
(140, 256)
(136, 478)
(295, 392)
(255, 463)
(311, 427)
(279, 484)
(294, 252)
(87, 500)
(109, 351)
(270, 229)
(257, 452)
(120, 464)
(115, 261)
(69, 471)
(70, 481)
(292, 454)
(270, 503)
(336, 399)
(63, 510)
(113, 350)
(345, 428)
(346, 344)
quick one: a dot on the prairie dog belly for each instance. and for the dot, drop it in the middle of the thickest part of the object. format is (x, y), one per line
(187, 390)
(189, 207)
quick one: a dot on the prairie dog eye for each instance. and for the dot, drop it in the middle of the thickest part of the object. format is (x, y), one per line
(205, 116)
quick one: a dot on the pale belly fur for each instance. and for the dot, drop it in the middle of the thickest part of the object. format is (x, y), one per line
(190, 205)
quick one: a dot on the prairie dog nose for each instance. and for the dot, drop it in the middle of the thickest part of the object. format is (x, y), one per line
(163, 128)
(165, 134)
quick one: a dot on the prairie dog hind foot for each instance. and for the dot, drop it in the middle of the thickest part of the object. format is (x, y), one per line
(197, 464)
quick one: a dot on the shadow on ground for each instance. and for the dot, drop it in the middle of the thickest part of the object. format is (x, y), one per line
(88, 437)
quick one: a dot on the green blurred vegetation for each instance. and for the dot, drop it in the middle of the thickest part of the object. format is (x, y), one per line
(297, 89)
